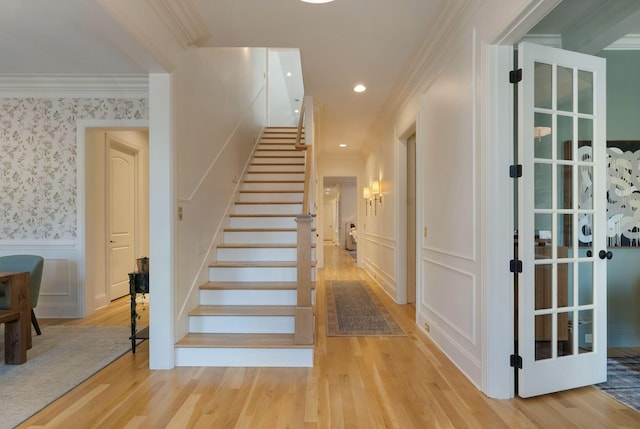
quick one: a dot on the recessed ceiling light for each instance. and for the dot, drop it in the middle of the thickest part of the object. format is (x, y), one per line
(342, 145)
(289, 74)
(317, 1)
(296, 111)
(359, 88)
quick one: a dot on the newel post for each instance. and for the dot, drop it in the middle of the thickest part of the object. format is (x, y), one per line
(304, 309)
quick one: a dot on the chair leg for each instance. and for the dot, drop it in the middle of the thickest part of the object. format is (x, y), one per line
(34, 321)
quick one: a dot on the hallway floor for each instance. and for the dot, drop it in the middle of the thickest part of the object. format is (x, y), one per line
(357, 382)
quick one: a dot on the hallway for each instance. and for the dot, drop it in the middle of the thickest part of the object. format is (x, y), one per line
(357, 382)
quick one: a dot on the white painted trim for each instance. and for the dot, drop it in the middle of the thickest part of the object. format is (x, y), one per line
(17, 245)
(630, 42)
(551, 40)
(162, 223)
(74, 86)
(497, 216)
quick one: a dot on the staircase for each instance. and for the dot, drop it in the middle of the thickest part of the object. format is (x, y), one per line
(247, 312)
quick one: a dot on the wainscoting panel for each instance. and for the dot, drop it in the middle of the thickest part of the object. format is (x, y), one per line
(60, 289)
(450, 296)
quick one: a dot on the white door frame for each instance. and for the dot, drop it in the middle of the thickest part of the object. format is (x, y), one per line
(401, 211)
(86, 299)
(497, 215)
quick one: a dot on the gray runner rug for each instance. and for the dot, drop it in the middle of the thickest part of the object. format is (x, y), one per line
(623, 380)
(60, 359)
(353, 309)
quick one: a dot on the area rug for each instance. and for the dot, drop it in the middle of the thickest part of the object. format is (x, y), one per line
(353, 309)
(623, 380)
(61, 358)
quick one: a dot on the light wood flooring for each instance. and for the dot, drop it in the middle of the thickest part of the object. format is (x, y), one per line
(357, 382)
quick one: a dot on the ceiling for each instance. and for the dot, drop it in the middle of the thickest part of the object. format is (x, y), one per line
(341, 43)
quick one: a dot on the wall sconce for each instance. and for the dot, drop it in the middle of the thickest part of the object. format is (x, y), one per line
(377, 195)
(366, 194)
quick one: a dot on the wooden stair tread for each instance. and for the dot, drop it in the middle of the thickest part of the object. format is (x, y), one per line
(240, 341)
(266, 164)
(262, 229)
(273, 181)
(270, 192)
(268, 202)
(275, 172)
(229, 285)
(263, 215)
(244, 310)
(256, 264)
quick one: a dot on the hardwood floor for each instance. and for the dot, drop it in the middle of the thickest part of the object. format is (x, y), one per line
(357, 382)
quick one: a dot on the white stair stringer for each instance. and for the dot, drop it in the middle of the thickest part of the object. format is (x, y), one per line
(246, 315)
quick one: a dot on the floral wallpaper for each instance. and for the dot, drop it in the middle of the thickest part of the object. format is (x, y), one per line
(38, 161)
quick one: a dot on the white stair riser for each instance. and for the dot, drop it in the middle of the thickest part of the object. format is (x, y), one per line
(287, 160)
(277, 167)
(273, 177)
(265, 197)
(253, 274)
(260, 237)
(263, 222)
(258, 254)
(248, 297)
(261, 208)
(268, 186)
(244, 357)
(242, 324)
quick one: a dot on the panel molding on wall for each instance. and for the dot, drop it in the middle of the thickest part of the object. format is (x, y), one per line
(459, 278)
(59, 290)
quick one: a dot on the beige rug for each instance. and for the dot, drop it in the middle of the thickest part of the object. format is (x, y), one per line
(60, 359)
(353, 309)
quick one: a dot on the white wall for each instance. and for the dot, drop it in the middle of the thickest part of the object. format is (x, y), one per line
(221, 111)
(448, 98)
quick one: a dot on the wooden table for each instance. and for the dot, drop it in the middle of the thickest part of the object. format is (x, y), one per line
(17, 291)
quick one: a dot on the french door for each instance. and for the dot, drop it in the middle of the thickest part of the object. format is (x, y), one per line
(562, 220)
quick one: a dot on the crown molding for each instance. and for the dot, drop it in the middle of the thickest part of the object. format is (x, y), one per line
(74, 86)
(630, 42)
(183, 20)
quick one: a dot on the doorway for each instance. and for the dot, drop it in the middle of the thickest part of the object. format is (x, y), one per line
(340, 212)
(117, 210)
(411, 219)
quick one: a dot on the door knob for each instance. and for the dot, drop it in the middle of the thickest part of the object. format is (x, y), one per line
(604, 254)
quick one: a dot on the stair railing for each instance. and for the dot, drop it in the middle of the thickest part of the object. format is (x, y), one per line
(304, 321)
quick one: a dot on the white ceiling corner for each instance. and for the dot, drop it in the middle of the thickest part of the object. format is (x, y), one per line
(183, 20)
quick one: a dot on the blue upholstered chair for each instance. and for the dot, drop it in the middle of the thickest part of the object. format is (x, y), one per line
(19, 263)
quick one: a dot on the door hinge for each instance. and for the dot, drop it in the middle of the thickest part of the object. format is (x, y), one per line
(515, 76)
(515, 361)
(515, 266)
(515, 171)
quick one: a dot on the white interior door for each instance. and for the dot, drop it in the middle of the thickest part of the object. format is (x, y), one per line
(562, 220)
(329, 214)
(122, 212)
